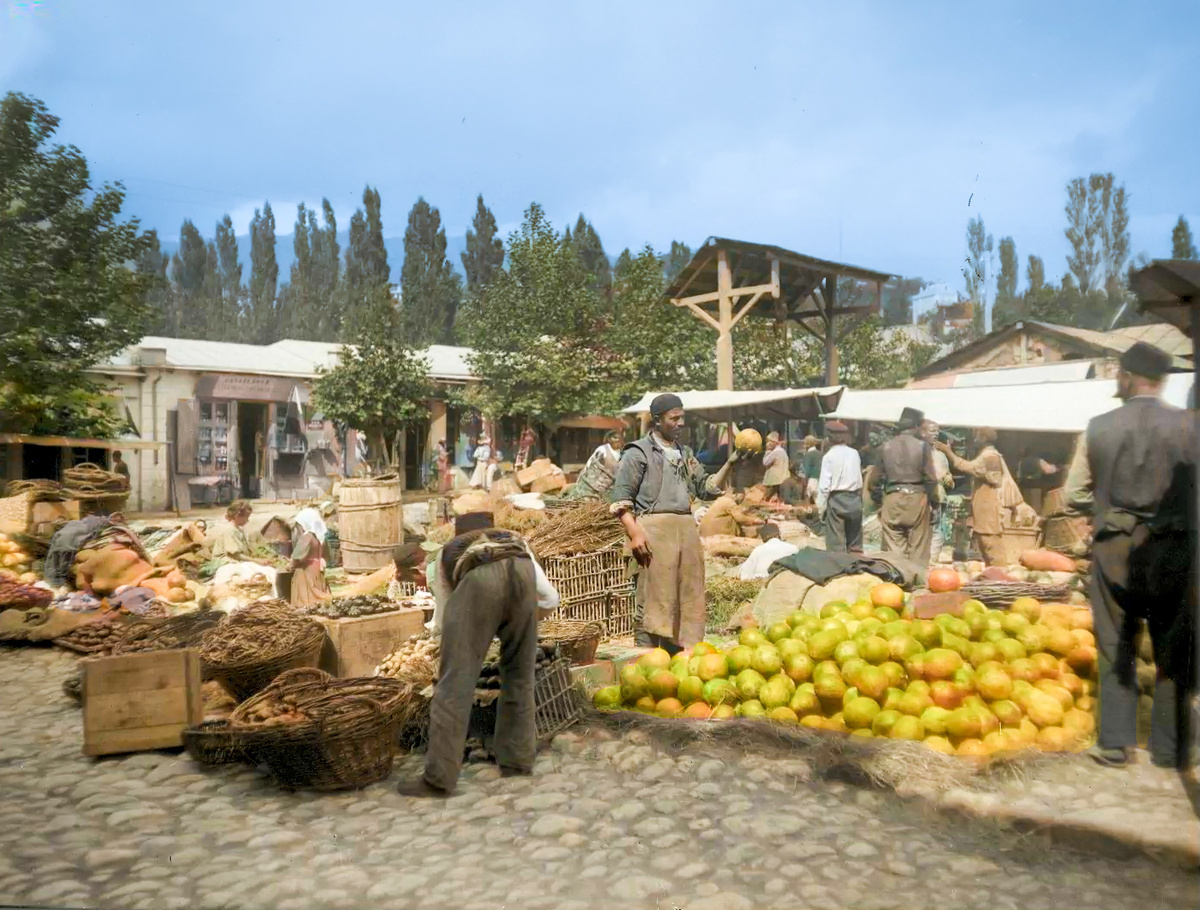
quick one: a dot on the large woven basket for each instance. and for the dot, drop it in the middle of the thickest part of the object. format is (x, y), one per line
(247, 679)
(213, 743)
(577, 640)
(349, 739)
(999, 595)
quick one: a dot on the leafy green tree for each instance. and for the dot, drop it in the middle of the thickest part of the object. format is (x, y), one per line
(430, 289)
(1035, 274)
(153, 265)
(259, 320)
(380, 386)
(675, 261)
(189, 266)
(325, 275)
(230, 290)
(68, 296)
(979, 252)
(1098, 232)
(366, 272)
(1081, 231)
(537, 332)
(1008, 306)
(592, 255)
(1182, 245)
(623, 267)
(485, 250)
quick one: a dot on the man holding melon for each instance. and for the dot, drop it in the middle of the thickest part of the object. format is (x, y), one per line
(657, 479)
(1134, 471)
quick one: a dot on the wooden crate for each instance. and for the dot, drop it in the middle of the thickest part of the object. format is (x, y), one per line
(541, 467)
(139, 702)
(355, 646)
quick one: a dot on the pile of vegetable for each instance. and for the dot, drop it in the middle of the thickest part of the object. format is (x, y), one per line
(15, 563)
(358, 605)
(489, 676)
(415, 661)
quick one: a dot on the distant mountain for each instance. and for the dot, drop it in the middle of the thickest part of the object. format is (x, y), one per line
(285, 256)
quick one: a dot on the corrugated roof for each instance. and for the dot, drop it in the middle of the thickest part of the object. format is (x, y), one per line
(1065, 407)
(290, 357)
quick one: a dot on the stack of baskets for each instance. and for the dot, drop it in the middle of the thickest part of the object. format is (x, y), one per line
(317, 732)
(594, 587)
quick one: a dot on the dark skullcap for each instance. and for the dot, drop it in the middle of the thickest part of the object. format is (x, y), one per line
(473, 521)
(663, 403)
(1146, 360)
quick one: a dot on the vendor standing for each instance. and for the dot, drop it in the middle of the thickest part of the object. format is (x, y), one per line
(905, 485)
(482, 457)
(810, 464)
(987, 472)
(775, 461)
(596, 479)
(652, 495)
(1134, 471)
(839, 492)
(308, 559)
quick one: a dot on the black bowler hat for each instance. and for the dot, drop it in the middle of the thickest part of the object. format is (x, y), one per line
(910, 417)
(1145, 360)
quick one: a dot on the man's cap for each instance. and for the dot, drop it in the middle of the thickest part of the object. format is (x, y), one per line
(663, 403)
(836, 426)
(473, 521)
(1145, 360)
(910, 417)
(409, 554)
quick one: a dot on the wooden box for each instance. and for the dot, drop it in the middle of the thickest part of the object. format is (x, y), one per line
(44, 515)
(355, 646)
(540, 468)
(139, 702)
(550, 483)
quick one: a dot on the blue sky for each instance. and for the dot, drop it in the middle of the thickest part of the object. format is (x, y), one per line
(866, 132)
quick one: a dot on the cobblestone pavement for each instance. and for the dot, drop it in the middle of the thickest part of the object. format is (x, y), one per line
(604, 823)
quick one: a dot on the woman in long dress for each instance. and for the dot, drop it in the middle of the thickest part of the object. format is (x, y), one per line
(482, 455)
(308, 562)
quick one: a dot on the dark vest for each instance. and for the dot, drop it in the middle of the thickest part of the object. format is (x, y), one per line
(902, 460)
(1141, 456)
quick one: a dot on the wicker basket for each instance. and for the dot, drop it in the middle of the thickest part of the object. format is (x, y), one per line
(1000, 594)
(213, 743)
(577, 641)
(349, 741)
(555, 705)
(245, 680)
(587, 575)
(622, 612)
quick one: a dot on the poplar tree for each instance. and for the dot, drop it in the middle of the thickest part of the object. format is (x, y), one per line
(430, 289)
(485, 250)
(260, 321)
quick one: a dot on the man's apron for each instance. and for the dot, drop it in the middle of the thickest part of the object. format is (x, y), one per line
(670, 590)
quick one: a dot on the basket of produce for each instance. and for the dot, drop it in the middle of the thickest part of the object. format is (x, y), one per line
(1002, 594)
(358, 605)
(21, 595)
(253, 646)
(184, 631)
(213, 743)
(320, 733)
(97, 637)
(577, 641)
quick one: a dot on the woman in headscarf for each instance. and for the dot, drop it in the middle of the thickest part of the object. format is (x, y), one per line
(596, 478)
(308, 563)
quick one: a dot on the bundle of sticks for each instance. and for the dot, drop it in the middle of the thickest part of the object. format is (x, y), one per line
(585, 528)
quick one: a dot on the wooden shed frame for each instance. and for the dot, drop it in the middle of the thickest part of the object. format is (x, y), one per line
(728, 280)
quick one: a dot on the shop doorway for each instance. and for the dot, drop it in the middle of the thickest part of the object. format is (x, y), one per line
(252, 447)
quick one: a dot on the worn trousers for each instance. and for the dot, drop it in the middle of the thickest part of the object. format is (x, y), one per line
(497, 599)
(1134, 577)
(904, 520)
(843, 522)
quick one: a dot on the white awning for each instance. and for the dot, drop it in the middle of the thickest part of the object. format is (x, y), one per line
(735, 407)
(1059, 407)
(1067, 371)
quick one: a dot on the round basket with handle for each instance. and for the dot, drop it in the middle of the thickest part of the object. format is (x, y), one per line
(246, 678)
(577, 639)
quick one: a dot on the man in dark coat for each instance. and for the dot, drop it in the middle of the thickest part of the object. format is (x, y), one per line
(905, 483)
(1134, 471)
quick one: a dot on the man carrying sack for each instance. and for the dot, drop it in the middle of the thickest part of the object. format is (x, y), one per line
(657, 479)
(495, 589)
(1134, 470)
(904, 485)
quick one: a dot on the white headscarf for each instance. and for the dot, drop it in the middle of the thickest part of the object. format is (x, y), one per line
(310, 520)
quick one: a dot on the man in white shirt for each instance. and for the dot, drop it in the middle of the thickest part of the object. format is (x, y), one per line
(839, 492)
(758, 563)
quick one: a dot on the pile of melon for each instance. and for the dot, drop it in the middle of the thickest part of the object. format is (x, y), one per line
(15, 563)
(985, 682)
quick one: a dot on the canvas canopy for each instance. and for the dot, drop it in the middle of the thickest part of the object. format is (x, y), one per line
(741, 406)
(1059, 407)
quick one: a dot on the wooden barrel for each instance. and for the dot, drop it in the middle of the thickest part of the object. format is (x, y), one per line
(370, 522)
